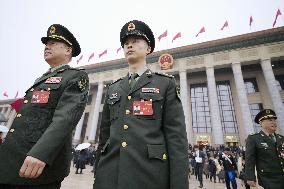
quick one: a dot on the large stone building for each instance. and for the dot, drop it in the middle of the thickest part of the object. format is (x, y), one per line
(224, 83)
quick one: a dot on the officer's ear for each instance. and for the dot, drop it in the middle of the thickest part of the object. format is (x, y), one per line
(148, 49)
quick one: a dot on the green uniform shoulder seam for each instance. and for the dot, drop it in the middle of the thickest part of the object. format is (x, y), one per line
(114, 82)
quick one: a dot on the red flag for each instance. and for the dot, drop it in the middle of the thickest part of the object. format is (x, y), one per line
(225, 25)
(278, 13)
(17, 104)
(16, 94)
(5, 94)
(118, 50)
(81, 57)
(176, 36)
(103, 53)
(250, 21)
(165, 34)
(91, 56)
(202, 30)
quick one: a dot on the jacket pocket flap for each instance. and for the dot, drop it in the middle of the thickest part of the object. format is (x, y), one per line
(157, 151)
(49, 87)
(151, 96)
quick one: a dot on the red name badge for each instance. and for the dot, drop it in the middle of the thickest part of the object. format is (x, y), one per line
(40, 97)
(142, 108)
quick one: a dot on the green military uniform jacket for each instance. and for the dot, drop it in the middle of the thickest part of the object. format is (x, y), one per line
(143, 151)
(44, 130)
(267, 156)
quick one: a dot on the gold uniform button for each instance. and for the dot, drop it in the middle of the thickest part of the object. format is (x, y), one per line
(26, 101)
(12, 130)
(261, 170)
(164, 156)
(19, 115)
(127, 112)
(48, 89)
(123, 144)
(32, 89)
(125, 127)
(129, 97)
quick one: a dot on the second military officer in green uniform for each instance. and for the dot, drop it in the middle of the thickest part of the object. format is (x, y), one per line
(143, 140)
(37, 151)
(265, 152)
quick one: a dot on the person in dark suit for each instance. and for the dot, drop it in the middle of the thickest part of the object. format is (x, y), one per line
(143, 140)
(37, 151)
(199, 157)
(265, 152)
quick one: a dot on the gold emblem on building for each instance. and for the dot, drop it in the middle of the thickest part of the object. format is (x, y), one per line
(166, 61)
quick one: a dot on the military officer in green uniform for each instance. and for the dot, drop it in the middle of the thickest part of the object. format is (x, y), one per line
(37, 151)
(143, 142)
(265, 151)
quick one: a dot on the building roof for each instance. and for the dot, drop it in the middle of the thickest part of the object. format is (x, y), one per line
(224, 44)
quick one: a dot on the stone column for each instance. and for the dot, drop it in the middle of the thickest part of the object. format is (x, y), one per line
(95, 117)
(77, 135)
(274, 92)
(243, 100)
(185, 104)
(214, 107)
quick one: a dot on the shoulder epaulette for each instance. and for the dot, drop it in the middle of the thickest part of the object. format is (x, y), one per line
(252, 134)
(114, 82)
(164, 74)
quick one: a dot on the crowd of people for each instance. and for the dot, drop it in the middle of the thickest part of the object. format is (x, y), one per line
(221, 164)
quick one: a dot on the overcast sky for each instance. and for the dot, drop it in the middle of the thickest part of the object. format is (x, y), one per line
(96, 25)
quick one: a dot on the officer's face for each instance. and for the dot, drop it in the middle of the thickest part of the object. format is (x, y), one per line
(135, 49)
(56, 51)
(269, 125)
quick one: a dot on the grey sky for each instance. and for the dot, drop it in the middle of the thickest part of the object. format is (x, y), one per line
(96, 25)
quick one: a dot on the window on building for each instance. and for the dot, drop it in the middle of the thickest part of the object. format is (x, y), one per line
(251, 85)
(227, 111)
(255, 109)
(201, 122)
(280, 82)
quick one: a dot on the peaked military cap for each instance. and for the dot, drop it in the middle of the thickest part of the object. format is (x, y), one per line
(61, 33)
(265, 114)
(137, 28)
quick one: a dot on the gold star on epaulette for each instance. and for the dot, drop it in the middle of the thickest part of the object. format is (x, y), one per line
(164, 74)
(83, 83)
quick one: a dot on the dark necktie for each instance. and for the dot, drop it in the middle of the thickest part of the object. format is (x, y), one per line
(272, 137)
(133, 80)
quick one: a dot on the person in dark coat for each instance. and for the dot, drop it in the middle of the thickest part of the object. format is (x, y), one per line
(81, 161)
(212, 169)
(143, 143)
(230, 168)
(37, 151)
(265, 152)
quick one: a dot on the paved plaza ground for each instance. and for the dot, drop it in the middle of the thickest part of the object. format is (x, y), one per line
(85, 181)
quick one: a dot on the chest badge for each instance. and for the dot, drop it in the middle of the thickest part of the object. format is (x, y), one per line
(52, 80)
(143, 108)
(150, 90)
(40, 97)
(264, 144)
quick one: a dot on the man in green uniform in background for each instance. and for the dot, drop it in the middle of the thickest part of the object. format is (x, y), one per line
(265, 151)
(143, 142)
(36, 153)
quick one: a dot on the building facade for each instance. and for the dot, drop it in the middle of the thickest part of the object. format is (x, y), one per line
(224, 83)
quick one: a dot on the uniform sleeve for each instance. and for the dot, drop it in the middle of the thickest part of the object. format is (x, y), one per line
(250, 158)
(175, 133)
(67, 114)
(104, 131)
